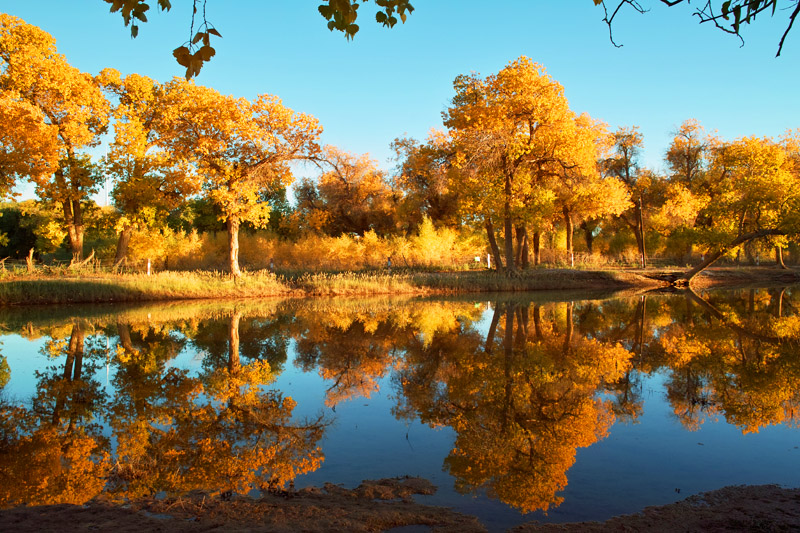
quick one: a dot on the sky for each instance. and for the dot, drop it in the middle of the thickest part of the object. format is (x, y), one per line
(386, 83)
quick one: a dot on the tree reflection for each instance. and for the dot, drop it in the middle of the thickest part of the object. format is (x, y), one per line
(521, 403)
(523, 387)
(55, 452)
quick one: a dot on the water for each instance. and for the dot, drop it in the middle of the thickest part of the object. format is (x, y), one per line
(535, 408)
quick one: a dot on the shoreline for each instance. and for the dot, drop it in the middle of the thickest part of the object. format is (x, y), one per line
(172, 286)
(386, 504)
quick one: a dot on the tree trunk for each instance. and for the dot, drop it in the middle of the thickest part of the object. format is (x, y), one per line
(73, 217)
(233, 246)
(537, 248)
(712, 257)
(122, 244)
(570, 229)
(498, 261)
(640, 232)
(588, 236)
(779, 257)
(508, 226)
(523, 259)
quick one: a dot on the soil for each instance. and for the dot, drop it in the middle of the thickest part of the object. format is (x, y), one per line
(386, 504)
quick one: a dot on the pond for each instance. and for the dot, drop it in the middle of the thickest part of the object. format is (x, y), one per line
(543, 407)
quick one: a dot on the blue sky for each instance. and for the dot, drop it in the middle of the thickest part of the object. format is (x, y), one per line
(390, 83)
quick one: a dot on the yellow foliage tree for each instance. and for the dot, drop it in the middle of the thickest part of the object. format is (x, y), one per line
(70, 102)
(240, 148)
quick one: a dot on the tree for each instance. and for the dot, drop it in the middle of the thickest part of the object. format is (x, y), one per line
(581, 191)
(352, 196)
(510, 129)
(150, 181)
(628, 145)
(726, 15)
(756, 195)
(240, 149)
(28, 145)
(70, 103)
(426, 177)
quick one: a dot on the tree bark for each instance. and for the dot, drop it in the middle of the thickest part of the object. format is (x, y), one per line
(73, 216)
(122, 244)
(588, 236)
(523, 254)
(537, 248)
(711, 258)
(233, 246)
(508, 227)
(570, 229)
(640, 232)
(498, 261)
(779, 257)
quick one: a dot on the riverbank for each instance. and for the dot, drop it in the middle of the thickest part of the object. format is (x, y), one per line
(386, 504)
(165, 286)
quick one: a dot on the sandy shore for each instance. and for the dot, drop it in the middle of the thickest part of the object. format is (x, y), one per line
(386, 504)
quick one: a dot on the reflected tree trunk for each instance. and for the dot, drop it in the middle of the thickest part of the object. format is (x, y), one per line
(508, 352)
(233, 343)
(487, 348)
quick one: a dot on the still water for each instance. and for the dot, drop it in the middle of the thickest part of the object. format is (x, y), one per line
(550, 408)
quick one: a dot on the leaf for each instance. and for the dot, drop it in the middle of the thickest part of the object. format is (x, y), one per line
(134, 31)
(726, 9)
(212, 31)
(380, 17)
(199, 35)
(182, 56)
(205, 53)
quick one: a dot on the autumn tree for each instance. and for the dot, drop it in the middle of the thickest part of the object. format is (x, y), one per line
(581, 191)
(350, 196)
(755, 196)
(510, 129)
(426, 175)
(70, 103)
(240, 148)
(624, 165)
(28, 145)
(149, 180)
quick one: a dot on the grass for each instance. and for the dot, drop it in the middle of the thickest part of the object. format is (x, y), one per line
(20, 289)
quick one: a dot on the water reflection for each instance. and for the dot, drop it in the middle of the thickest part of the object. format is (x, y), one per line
(523, 385)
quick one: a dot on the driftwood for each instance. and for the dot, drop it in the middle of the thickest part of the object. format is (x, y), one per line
(81, 264)
(29, 261)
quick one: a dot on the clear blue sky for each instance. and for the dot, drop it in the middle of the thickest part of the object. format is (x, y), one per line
(390, 83)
